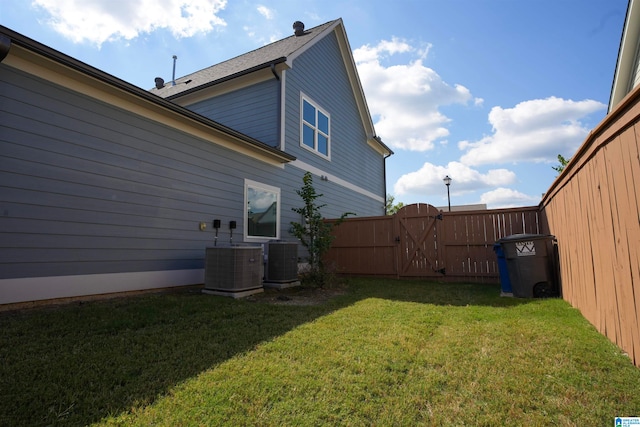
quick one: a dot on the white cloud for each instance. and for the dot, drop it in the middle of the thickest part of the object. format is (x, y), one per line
(427, 181)
(249, 31)
(405, 99)
(98, 21)
(265, 11)
(507, 198)
(532, 131)
(367, 53)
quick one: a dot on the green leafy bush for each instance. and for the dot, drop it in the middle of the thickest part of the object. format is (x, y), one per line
(314, 232)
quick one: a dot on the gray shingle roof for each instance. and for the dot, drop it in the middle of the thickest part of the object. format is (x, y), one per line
(277, 51)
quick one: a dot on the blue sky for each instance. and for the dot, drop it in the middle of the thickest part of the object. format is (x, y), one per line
(488, 92)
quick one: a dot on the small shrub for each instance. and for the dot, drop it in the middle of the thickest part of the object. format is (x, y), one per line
(324, 277)
(314, 233)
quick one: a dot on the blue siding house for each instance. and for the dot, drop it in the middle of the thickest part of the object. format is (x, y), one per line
(107, 187)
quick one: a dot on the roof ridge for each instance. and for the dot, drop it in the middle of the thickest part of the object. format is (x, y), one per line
(265, 54)
(270, 45)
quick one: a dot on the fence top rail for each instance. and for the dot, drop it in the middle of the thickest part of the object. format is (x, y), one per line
(362, 218)
(517, 210)
(493, 211)
(625, 113)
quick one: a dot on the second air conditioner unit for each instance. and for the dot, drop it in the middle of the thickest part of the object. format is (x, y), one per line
(282, 264)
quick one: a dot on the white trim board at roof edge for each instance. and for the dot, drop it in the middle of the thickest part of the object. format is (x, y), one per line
(232, 85)
(47, 69)
(316, 38)
(332, 178)
(347, 56)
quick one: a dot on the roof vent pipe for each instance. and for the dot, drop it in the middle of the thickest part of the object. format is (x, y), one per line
(159, 82)
(173, 80)
(298, 28)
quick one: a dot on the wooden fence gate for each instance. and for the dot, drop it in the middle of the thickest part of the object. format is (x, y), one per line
(421, 241)
(420, 252)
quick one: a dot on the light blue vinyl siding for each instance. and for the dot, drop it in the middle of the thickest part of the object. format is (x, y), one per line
(320, 74)
(86, 188)
(253, 111)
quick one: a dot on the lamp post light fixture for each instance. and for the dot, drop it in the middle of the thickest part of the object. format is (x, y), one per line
(447, 182)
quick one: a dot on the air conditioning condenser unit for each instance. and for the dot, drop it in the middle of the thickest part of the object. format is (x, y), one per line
(234, 271)
(282, 264)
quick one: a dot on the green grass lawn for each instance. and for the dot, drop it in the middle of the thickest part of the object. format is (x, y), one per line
(384, 352)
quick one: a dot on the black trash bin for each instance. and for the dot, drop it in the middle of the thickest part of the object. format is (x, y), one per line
(530, 264)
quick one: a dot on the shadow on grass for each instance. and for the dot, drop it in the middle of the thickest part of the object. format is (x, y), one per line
(77, 363)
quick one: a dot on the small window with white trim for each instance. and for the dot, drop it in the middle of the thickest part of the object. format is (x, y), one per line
(315, 134)
(262, 213)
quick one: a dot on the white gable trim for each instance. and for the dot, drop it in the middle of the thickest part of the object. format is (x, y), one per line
(352, 72)
(356, 85)
(316, 38)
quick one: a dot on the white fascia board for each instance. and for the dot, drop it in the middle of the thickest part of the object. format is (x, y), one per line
(292, 56)
(62, 75)
(352, 72)
(228, 86)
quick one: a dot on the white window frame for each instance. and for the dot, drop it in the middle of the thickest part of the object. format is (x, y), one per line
(265, 187)
(315, 128)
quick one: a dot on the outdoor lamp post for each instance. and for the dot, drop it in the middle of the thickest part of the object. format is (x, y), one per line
(447, 182)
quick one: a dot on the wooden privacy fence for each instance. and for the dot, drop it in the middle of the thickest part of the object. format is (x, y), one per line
(422, 241)
(593, 208)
